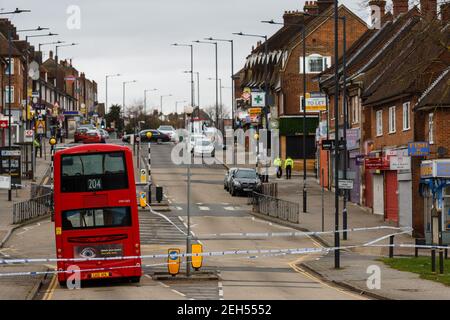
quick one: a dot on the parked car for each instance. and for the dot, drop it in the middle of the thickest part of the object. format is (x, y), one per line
(204, 147)
(157, 136)
(170, 131)
(192, 141)
(94, 136)
(104, 133)
(244, 181)
(80, 134)
(227, 178)
(65, 146)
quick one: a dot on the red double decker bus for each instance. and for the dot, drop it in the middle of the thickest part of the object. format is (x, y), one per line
(96, 213)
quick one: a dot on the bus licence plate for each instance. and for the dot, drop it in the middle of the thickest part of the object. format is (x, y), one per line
(98, 275)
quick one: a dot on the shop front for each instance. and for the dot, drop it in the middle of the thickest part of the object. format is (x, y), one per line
(435, 189)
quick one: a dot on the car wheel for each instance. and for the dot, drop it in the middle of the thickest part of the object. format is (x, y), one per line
(233, 192)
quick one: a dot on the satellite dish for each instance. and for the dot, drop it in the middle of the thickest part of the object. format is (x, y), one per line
(33, 70)
(442, 151)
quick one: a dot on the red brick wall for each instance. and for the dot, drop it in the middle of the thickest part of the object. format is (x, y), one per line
(321, 41)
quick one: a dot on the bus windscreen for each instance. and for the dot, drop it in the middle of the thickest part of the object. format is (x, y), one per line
(96, 218)
(93, 172)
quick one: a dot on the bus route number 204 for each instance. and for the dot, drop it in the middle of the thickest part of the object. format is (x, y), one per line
(94, 184)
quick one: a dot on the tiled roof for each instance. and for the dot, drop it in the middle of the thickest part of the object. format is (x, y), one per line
(438, 94)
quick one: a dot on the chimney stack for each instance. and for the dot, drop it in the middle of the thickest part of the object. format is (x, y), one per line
(400, 6)
(51, 55)
(378, 11)
(445, 12)
(311, 7)
(428, 8)
(293, 17)
(324, 5)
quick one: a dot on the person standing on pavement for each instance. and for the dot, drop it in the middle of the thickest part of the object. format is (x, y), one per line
(289, 165)
(278, 163)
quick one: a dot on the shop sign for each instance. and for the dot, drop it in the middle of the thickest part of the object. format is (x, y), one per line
(376, 164)
(400, 163)
(418, 149)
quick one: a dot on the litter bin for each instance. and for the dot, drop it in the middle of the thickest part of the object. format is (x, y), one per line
(159, 194)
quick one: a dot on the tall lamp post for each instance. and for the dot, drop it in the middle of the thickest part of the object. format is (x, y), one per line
(176, 109)
(17, 11)
(145, 99)
(188, 238)
(27, 124)
(198, 86)
(233, 98)
(124, 83)
(305, 194)
(106, 88)
(217, 79)
(161, 105)
(220, 95)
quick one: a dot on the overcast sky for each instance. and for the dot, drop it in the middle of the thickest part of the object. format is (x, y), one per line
(133, 38)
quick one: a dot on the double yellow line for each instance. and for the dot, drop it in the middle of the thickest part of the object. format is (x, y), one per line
(51, 288)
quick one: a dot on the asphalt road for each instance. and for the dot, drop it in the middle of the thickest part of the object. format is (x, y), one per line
(213, 210)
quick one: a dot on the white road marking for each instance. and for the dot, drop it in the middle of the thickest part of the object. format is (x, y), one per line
(204, 208)
(229, 208)
(178, 292)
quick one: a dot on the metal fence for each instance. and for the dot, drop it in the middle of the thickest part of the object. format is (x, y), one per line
(39, 190)
(270, 189)
(277, 208)
(33, 208)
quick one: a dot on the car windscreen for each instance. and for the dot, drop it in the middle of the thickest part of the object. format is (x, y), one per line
(245, 174)
(93, 172)
(96, 218)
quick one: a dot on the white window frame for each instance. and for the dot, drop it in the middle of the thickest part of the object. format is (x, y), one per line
(392, 120)
(7, 94)
(356, 107)
(379, 123)
(326, 63)
(431, 128)
(7, 66)
(406, 116)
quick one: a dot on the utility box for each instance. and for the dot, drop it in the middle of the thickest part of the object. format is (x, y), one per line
(159, 194)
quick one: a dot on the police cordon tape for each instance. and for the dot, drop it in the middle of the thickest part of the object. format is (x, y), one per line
(217, 253)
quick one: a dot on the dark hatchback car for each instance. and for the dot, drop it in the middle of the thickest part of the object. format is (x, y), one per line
(156, 136)
(244, 181)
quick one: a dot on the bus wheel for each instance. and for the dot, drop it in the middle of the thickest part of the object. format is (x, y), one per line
(135, 279)
(62, 283)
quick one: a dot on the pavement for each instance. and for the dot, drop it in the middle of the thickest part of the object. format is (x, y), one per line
(20, 286)
(355, 262)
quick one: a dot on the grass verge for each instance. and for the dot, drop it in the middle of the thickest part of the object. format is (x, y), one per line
(421, 266)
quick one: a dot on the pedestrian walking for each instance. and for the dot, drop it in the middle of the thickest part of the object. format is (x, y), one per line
(289, 165)
(37, 145)
(278, 163)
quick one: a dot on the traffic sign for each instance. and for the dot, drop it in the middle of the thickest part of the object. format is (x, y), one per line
(173, 261)
(143, 176)
(29, 135)
(327, 145)
(197, 261)
(3, 124)
(258, 99)
(346, 184)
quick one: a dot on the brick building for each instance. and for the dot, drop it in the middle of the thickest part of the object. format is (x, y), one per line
(286, 74)
(388, 70)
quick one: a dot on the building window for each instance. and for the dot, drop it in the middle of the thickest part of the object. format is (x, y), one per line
(431, 128)
(355, 109)
(315, 63)
(392, 127)
(406, 114)
(7, 88)
(379, 119)
(7, 66)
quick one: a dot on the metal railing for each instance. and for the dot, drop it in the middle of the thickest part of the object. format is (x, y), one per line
(270, 189)
(39, 190)
(277, 208)
(33, 208)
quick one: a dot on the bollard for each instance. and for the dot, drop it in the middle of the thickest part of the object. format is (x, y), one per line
(391, 247)
(433, 260)
(159, 194)
(149, 193)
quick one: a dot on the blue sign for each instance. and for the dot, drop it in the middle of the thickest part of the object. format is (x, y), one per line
(173, 255)
(418, 149)
(443, 169)
(71, 113)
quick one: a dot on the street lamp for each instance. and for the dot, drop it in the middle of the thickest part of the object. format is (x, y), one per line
(56, 62)
(49, 43)
(198, 86)
(302, 25)
(233, 98)
(220, 86)
(266, 71)
(217, 77)
(106, 89)
(161, 105)
(188, 191)
(145, 99)
(176, 105)
(124, 84)
(17, 11)
(27, 124)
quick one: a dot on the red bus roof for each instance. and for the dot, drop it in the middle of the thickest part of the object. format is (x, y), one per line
(93, 148)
